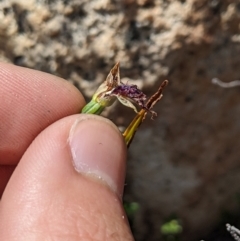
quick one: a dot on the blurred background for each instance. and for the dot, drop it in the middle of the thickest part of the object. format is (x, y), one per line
(183, 175)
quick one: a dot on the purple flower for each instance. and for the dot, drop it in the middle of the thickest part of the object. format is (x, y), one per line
(130, 92)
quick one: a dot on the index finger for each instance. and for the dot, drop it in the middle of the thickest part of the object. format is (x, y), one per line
(30, 101)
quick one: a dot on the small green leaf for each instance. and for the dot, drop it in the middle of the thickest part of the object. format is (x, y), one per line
(172, 227)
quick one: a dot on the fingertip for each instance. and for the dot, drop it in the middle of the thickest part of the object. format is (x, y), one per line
(98, 149)
(30, 101)
(55, 198)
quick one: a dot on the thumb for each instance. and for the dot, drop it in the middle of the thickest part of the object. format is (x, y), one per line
(68, 185)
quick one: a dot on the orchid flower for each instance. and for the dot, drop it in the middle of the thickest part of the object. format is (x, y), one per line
(111, 89)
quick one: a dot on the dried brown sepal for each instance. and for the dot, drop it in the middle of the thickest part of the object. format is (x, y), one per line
(113, 78)
(155, 98)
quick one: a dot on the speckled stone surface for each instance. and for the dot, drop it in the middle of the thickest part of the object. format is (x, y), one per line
(186, 162)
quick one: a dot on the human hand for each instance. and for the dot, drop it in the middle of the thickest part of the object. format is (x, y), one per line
(66, 169)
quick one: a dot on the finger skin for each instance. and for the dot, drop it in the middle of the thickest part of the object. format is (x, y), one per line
(47, 199)
(5, 173)
(30, 101)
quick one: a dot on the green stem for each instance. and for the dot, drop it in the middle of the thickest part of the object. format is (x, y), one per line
(93, 108)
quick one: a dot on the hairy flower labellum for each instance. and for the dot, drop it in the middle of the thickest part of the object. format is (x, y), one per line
(130, 92)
